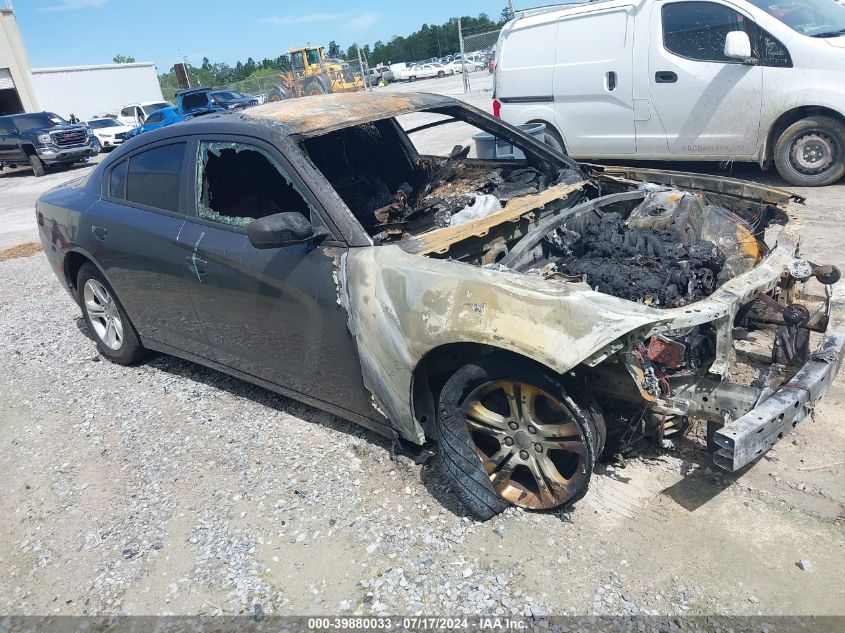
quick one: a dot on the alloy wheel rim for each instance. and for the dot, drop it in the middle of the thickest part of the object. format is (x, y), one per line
(813, 153)
(528, 441)
(103, 314)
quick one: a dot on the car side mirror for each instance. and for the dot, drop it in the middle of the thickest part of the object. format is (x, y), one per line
(284, 229)
(738, 46)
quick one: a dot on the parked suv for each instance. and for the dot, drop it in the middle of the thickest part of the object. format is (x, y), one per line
(717, 80)
(44, 138)
(196, 102)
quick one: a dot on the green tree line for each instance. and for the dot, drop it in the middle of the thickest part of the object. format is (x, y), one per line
(434, 40)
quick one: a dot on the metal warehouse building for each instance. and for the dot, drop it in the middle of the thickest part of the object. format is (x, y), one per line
(81, 90)
(87, 91)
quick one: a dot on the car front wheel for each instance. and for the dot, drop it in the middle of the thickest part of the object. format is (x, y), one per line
(811, 152)
(111, 328)
(511, 433)
(37, 165)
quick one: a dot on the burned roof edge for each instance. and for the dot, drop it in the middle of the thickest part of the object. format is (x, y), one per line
(324, 113)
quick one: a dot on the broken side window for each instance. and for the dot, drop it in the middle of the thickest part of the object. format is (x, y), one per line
(239, 183)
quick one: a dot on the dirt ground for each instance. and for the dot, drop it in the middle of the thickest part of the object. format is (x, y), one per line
(169, 488)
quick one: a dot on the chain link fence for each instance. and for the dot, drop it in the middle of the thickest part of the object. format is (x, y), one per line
(478, 50)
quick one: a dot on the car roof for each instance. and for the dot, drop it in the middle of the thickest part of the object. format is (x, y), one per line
(323, 113)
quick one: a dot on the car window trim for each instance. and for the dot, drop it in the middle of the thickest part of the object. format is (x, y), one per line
(105, 194)
(303, 189)
(693, 59)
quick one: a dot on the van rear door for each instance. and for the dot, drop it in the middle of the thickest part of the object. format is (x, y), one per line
(593, 83)
(709, 104)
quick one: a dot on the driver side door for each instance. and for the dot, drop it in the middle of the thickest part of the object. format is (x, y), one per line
(270, 313)
(709, 105)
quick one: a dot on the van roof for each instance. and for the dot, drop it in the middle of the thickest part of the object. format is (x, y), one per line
(550, 13)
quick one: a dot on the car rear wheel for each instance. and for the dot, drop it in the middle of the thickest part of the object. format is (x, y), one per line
(37, 165)
(440, 73)
(811, 152)
(113, 332)
(510, 433)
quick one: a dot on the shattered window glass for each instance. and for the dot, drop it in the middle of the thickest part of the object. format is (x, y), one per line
(697, 30)
(238, 183)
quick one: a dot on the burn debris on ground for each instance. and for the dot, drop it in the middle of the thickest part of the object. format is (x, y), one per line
(645, 265)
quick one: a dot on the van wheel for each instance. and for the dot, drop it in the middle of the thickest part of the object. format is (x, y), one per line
(552, 138)
(811, 152)
(37, 165)
(511, 433)
(116, 337)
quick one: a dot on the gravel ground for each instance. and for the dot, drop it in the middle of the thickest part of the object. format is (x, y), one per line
(170, 488)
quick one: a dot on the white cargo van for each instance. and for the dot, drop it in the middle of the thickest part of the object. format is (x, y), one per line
(718, 80)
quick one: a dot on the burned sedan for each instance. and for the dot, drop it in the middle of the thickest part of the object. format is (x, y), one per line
(517, 312)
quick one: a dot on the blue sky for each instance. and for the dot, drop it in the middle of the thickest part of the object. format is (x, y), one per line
(76, 32)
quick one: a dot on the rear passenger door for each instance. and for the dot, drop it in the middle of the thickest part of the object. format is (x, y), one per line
(593, 85)
(271, 313)
(132, 234)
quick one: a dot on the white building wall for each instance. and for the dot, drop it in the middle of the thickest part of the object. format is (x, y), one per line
(87, 91)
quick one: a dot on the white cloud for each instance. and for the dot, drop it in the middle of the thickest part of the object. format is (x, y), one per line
(302, 19)
(70, 5)
(363, 21)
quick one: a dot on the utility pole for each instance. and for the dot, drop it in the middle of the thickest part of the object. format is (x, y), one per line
(463, 62)
(364, 74)
(510, 6)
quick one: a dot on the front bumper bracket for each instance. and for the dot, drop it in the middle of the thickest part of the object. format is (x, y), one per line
(749, 436)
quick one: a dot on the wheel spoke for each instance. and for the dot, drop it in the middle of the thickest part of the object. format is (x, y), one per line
(539, 470)
(118, 329)
(101, 294)
(495, 461)
(503, 475)
(95, 310)
(110, 334)
(483, 416)
(557, 431)
(512, 392)
(570, 446)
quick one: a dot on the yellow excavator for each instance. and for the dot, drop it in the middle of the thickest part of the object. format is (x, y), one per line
(312, 73)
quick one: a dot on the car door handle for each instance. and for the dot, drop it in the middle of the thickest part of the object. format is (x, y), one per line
(611, 81)
(100, 232)
(197, 265)
(665, 77)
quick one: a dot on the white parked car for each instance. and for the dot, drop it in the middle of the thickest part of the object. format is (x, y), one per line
(457, 67)
(108, 131)
(715, 80)
(423, 71)
(136, 114)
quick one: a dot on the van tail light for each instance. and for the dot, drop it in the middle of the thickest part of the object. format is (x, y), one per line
(497, 109)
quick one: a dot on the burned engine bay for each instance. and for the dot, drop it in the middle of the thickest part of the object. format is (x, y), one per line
(661, 247)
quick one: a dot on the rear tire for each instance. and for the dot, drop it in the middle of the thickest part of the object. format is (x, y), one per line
(116, 337)
(314, 88)
(511, 433)
(37, 165)
(412, 78)
(811, 152)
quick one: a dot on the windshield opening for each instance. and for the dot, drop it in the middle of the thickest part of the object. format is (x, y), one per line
(816, 18)
(155, 107)
(38, 120)
(96, 125)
